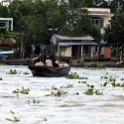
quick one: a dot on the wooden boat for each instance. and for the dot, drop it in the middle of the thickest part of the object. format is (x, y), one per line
(45, 71)
(25, 61)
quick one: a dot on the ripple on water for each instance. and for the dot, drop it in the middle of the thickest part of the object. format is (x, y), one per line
(74, 107)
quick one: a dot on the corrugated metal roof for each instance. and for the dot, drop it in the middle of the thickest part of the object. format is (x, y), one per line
(76, 43)
(60, 37)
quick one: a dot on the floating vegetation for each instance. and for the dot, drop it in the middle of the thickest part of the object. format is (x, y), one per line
(13, 71)
(99, 67)
(15, 119)
(117, 84)
(26, 73)
(58, 93)
(122, 79)
(74, 75)
(34, 101)
(91, 91)
(68, 86)
(23, 91)
(97, 92)
(104, 77)
(112, 80)
(55, 88)
(84, 82)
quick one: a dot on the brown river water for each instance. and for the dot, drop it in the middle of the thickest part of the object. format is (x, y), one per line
(42, 104)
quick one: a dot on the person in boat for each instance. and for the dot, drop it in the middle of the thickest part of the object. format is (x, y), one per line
(48, 61)
(60, 64)
(40, 63)
(120, 62)
(56, 63)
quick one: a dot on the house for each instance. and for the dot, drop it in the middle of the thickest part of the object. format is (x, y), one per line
(6, 2)
(75, 49)
(8, 22)
(101, 17)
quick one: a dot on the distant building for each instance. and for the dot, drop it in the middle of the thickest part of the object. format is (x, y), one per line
(74, 49)
(5, 2)
(101, 17)
(8, 22)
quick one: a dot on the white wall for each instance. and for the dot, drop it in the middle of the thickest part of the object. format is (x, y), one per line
(8, 21)
(66, 51)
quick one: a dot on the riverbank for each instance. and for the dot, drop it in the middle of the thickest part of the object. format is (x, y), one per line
(76, 63)
(103, 63)
(46, 97)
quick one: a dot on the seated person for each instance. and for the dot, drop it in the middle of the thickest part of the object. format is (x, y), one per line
(48, 61)
(56, 63)
(39, 63)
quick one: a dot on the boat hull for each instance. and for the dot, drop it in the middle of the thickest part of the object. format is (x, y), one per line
(44, 71)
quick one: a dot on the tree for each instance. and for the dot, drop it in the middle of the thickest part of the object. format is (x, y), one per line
(79, 23)
(117, 5)
(114, 32)
(4, 11)
(4, 33)
(35, 18)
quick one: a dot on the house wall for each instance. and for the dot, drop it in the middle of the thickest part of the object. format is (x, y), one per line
(6, 2)
(7, 22)
(103, 13)
(66, 51)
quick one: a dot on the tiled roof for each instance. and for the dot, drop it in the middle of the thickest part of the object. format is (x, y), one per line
(8, 41)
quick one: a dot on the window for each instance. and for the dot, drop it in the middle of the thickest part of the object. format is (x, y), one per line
(2, 24)
(98, 21)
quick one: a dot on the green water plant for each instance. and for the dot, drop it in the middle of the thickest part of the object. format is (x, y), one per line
(15, 119)
(23, 90)
(11, 71)
(68, 86)
(74, 75)
(112, 80)
(91, 90)
(104, 77)
(84, 82)
(97, 92)
(57, 93)
(26, 73)
(54, 88)
(99, 67)
(35, 101)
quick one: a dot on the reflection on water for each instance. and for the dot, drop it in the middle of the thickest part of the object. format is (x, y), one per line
(43, 106)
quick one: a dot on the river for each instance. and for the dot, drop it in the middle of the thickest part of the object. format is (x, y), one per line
(61, 100)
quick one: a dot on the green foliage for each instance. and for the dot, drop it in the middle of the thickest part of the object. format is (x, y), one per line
(74, 75)
(4, 33)
(23, 91)
(26, 73)
(112, 81)
(12, 71)
(99, 67)
(34, 18)
(91, 91)
(4, 12)
(15, 119)
(57, 93)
